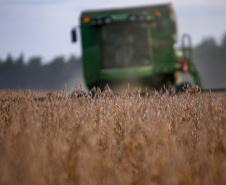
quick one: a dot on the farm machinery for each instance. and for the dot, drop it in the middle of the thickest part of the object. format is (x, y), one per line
(134, 46)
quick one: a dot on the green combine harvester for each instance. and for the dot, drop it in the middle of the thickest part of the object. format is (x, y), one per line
(134, 46)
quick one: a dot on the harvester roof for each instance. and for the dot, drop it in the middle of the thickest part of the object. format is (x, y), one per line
(128, 10)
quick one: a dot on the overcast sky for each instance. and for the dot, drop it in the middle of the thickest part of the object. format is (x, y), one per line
(42, 27)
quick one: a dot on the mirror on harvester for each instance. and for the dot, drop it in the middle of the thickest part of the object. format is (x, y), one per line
(74, 35)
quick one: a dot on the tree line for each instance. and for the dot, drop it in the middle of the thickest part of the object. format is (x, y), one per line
(210, 58)
(17, 74)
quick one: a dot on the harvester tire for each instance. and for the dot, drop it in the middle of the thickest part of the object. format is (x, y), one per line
(184, 87)
(168, 87)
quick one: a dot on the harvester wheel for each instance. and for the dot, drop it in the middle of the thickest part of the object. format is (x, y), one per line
(168, 87)
(184, 87)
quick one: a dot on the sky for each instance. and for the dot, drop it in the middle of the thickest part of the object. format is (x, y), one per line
(42, 27)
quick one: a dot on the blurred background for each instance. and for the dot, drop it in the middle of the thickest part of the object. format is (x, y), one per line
(36, 50)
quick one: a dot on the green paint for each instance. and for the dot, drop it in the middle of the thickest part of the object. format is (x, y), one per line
(148, 38)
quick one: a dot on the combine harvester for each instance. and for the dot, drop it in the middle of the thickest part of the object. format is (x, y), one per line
(134, 46)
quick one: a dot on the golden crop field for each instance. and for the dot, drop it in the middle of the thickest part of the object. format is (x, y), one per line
(121, 139)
